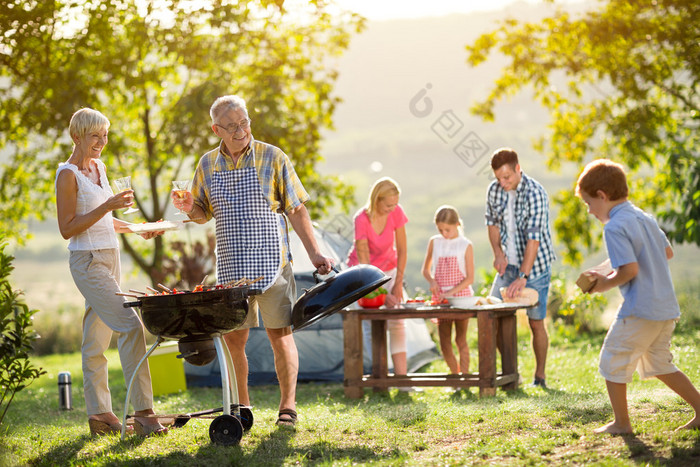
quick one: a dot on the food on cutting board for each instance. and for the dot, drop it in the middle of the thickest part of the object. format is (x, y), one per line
(527, 295)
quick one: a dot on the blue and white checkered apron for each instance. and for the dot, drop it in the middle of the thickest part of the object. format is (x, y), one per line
(247, 230)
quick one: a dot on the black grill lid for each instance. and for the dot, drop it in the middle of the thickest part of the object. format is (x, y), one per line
(335, 293)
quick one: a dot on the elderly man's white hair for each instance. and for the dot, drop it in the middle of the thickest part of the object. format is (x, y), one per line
(225, 103)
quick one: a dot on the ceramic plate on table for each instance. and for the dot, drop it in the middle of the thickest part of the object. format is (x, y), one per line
(463, 302)
(154, 226)
(413, 304)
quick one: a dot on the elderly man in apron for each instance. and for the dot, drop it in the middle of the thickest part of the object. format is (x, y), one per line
(251, 189)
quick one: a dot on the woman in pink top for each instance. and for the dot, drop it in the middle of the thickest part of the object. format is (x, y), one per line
(380, 240)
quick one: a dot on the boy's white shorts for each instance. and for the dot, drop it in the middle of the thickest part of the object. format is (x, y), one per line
(637, 343)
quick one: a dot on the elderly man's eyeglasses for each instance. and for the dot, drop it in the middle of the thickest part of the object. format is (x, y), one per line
(233, 128)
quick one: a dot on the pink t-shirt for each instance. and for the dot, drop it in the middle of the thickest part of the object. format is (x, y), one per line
(382, 250)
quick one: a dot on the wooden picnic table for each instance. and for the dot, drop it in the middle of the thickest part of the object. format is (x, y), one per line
(488, 317)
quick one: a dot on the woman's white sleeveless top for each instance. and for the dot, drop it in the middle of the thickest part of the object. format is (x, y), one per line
(101, 234)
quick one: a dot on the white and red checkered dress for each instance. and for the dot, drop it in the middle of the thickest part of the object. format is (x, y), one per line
(448, 263)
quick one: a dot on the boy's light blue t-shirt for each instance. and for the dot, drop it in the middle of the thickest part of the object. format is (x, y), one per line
(631, 235)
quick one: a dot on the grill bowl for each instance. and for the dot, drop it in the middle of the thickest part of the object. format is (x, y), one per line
(190, 314)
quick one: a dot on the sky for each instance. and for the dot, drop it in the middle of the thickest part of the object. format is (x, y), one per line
(378, 10)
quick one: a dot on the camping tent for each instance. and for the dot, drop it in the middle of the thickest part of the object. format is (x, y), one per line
(320, 345)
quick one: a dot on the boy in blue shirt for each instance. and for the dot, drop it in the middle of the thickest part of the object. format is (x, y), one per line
(640, 336)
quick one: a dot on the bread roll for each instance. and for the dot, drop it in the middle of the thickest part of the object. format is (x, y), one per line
(585, 282)
(527, 296)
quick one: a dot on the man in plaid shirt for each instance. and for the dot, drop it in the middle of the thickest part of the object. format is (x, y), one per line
(252, 191)
(517, 218)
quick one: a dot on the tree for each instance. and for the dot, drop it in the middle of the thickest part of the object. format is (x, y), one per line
(16, 338)
(154, 72)
(620, 82)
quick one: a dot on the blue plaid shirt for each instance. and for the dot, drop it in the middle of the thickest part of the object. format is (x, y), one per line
(531, 220)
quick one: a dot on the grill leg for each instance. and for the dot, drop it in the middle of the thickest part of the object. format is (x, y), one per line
(228, 376)
(159, 340)
(233, 383)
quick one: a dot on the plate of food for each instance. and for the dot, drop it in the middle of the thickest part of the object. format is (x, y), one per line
(463, 302)
(154, 226)
(414, 303)
(490, 300)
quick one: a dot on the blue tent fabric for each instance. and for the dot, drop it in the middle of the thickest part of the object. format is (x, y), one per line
(320, 348)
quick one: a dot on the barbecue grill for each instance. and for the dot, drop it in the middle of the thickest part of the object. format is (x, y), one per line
(196, 319)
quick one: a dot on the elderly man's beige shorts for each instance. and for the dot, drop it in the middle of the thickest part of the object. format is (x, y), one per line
(637, 343)
(275, 304)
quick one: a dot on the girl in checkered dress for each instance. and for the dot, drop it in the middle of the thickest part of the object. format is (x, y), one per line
(449, 269)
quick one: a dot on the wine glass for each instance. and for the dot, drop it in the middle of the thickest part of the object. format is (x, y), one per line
(180, 188)
(124, 184)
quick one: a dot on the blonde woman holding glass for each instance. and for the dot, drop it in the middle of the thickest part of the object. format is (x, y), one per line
(84, 202)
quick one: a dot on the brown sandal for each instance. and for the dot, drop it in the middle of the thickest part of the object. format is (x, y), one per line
(289, 420)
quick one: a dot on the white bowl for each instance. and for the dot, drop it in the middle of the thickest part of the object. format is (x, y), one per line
(463, 302)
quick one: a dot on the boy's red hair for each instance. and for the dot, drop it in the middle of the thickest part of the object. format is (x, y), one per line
(603, 175)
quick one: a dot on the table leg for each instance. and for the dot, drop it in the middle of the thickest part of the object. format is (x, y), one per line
(509, 349)
(487, 353)
(352, 355)
(380, 368)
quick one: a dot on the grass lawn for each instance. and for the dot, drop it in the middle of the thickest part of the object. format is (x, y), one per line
(438, 426)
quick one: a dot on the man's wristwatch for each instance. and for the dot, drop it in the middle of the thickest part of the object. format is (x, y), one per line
(522, 275)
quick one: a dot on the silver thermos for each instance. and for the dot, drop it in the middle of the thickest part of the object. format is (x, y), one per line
(65, 397)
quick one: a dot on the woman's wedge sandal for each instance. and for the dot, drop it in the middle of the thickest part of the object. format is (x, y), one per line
(287, 418)
(100, 428)
(149, 430)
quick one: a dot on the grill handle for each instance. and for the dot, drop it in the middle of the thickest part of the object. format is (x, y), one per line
(318, 279)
